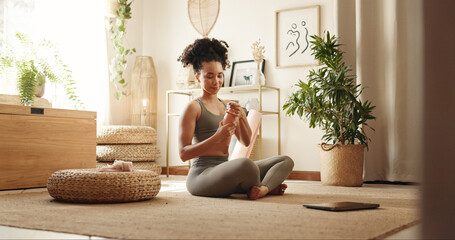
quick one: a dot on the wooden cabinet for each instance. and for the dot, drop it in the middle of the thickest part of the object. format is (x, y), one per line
(255, 89)
(35, 142)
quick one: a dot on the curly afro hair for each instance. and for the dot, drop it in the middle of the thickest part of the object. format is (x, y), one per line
(205, 50)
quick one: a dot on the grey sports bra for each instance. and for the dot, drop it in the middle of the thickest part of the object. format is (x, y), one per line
(207, 124)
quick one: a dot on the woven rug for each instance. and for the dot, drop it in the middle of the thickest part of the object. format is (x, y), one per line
(175, 214)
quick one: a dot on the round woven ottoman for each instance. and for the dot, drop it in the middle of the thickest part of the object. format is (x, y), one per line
(118, 134)
(92, 186)
(127, 152)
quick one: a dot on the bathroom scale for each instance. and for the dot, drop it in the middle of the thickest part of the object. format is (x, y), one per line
(341, 206)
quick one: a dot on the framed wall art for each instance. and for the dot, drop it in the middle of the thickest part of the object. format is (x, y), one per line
(243, 71)
(293, 30)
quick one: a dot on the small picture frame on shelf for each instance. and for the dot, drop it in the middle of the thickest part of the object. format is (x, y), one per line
(243, 71)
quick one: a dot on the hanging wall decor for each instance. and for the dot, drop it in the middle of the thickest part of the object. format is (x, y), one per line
(203, 15)
(293, 30)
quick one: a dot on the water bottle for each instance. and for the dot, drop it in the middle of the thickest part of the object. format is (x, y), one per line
(228, 118)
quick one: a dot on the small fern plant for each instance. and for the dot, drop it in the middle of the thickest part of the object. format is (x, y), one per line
(330, 99)
(118, 63)
(36, 63)
(26, 82)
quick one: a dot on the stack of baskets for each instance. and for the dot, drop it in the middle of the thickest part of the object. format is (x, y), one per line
(128, 143)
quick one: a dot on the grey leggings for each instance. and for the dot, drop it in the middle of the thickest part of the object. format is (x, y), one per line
(215, 176)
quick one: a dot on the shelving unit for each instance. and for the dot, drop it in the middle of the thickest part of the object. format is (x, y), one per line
(192, 93)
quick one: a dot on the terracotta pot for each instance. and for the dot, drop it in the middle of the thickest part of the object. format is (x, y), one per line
(342, 165)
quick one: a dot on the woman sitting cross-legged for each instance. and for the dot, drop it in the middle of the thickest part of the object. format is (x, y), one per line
(211, 174)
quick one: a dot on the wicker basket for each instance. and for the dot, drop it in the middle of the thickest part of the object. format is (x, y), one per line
(126, 135)
(342, 165)
(92, 186)
(151, 166)
(130, 152)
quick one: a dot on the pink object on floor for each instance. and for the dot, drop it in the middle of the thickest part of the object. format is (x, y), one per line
(240, 151)
(118, 166)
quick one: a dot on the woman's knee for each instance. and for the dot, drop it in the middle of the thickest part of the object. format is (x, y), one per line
(288, 161)
(246, 166)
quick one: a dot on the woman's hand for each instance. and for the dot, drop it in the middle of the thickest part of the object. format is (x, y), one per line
(224, 132)
(243, 130)
(235, 109)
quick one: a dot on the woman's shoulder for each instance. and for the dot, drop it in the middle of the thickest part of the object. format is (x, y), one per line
(194, 104)
(193, 107)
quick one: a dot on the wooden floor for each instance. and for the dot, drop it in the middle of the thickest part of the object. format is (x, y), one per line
(177, 183)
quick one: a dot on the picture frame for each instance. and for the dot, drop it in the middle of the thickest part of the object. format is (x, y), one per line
(294, 27)
(243, 71)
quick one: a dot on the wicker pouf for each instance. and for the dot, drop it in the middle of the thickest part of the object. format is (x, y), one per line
(127, 143)
(125, 135)
(151, 166)
(127, 152)
(92, 186)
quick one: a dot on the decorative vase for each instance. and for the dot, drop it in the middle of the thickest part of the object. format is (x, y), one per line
(144, 92)
(39, 90)
(186, 79)
(342, 165)
(40, 84)
(191, 79)
(258, 77)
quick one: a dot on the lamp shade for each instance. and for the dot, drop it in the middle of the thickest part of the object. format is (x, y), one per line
(144, 92)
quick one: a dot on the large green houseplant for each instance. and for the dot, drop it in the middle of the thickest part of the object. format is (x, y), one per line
(36, 63)
(330, 101)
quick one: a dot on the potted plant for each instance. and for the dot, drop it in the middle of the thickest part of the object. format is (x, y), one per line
(35, 64)
(330, 100)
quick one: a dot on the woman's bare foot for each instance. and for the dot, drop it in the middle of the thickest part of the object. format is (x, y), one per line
(279, 190)
(257, 192)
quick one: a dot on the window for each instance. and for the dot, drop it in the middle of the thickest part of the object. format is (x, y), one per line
(77, 27)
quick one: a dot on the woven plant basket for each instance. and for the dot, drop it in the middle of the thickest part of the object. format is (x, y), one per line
(109, 135)
(92, 186)
(342, 165)
(129, 152)
(151, 166)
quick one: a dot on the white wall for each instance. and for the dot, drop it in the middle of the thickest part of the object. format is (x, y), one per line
(166, 31)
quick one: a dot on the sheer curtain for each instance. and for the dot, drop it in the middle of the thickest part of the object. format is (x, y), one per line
(389, 63)
(383, 41)
(78, 29)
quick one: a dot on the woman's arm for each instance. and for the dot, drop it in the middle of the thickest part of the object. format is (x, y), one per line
(243, 131)
(187, 150)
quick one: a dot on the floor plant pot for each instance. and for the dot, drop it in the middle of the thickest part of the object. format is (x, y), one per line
(342, 165)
